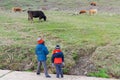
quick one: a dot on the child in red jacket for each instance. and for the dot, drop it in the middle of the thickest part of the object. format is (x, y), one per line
(58, 60)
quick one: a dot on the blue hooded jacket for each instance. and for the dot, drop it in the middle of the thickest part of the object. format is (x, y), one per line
(41, 52)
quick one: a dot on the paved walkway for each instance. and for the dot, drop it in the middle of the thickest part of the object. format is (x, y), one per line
(18, 75)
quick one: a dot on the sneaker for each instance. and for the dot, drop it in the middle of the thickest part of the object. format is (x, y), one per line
(61, 76)
(57, 77)
(48, 76)
(38, 73)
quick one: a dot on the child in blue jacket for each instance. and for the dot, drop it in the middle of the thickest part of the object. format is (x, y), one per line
(42, 52)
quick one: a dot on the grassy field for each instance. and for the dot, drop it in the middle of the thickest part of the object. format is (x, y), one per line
(85, 40)
(73, 32)
(99, 29)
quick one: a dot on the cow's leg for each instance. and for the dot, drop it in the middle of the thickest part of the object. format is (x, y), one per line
(31, 19)
(28, 17)
(39, 19)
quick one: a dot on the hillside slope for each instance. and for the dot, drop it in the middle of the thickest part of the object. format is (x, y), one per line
(90, 43)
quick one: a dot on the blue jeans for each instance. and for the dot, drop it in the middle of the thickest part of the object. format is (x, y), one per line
(44, 66)
(59, 70)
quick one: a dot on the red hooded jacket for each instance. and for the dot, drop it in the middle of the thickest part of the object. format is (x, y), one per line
(57, 56)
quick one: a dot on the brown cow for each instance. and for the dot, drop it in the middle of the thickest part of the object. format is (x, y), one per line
(93, 4)
(82, 12)
(92, 11)
(16, 9)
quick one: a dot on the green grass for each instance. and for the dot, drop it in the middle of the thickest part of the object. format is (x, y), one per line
(101, 73)
(78, 35)
(72, 32)
(79, 29)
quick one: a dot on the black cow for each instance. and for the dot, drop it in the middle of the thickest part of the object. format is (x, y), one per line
(36, 14)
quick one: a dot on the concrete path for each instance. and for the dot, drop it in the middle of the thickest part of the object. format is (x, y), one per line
(18, 75)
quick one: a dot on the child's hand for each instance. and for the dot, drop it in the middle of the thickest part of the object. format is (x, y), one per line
(63, 64)
(53, 65)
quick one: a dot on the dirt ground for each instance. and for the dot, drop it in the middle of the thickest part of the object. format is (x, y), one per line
(18, 75)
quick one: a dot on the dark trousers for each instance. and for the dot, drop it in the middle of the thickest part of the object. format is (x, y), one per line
(44, 66)
(59, 70)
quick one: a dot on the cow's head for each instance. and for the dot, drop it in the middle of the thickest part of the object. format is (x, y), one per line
(44, 18)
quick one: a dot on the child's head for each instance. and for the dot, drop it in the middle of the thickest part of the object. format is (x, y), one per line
(40, 41)
(57, 47)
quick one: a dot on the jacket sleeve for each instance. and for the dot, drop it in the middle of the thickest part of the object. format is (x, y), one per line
(46, 50)
(62, 57)
(52, 59)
